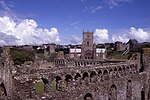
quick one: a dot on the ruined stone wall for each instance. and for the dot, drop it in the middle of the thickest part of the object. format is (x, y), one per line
(73, 83)
(5, 70)
(103, 80)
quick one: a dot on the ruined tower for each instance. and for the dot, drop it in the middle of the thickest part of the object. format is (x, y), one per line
(87, 49)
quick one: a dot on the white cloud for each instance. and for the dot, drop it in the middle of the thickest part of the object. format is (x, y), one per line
(113, 3)
(121, 38)
(139, 34)
(75, 40)
(101, 35)
(25, 32)
(92, 9)
(96, 9)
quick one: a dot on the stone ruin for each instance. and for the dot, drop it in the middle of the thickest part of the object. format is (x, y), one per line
(67, 79)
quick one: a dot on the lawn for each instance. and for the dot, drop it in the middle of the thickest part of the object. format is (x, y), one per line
(39, 87)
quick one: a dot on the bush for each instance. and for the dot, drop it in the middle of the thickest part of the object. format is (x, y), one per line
(19, 56)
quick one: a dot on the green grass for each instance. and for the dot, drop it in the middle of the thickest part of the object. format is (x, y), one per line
(39, 87)
(54, 85)
(117, 55)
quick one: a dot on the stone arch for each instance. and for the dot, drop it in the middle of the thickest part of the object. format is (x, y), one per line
(113, 93)
(58, 78)
(77, 76)
(93, 73)
(68, 78)
(115, 69)
(99, 72)
(120, 69)
(105, 72)
(85, 75)
(3, 91)
(75, 63)
(110, 71)
(84, 63)
(127, 67)
(124, 68)
(45, 81)
(88, 96)
(87, 63)
(81, 63)
(129, 90)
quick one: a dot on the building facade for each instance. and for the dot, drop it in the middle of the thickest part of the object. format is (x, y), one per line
(88, 49)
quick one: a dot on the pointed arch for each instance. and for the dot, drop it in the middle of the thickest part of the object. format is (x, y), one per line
(113, 93)
(99, 72)
(58, 78)
(88, 96)
(93, 73)
(85, 75)
(68, 78)
(45, 81)
(77, 76)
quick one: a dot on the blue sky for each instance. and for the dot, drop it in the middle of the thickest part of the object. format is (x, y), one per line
(111, 20)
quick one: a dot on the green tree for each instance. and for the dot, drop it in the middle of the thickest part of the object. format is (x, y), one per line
(19, 56)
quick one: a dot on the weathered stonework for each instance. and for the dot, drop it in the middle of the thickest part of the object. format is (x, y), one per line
(76, 79)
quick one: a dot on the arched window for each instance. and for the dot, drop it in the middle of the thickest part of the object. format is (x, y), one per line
(77, 76)
(129, 90)
(113, 93)
(45, 81)
(110, 71)
(88, 96)
(120, 69)
(88, 44)
(68, 78)
(93, 73)
(99, 72)
(85, 75)
(58, 78)
(105, 72)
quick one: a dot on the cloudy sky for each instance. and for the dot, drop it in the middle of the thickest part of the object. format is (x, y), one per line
(63, 21)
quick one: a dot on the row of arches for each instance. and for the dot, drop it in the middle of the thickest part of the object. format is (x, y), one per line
(103, 73)
(60, 62)
(86, 63)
